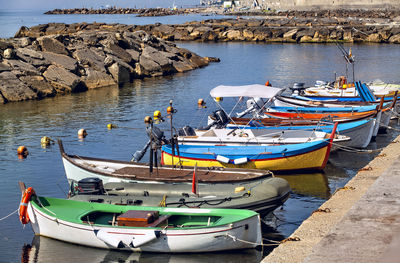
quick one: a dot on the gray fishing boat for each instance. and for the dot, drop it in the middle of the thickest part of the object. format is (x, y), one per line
(262, 195)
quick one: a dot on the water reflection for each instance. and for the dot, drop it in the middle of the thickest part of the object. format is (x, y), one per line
(43, 249)
(313, 184)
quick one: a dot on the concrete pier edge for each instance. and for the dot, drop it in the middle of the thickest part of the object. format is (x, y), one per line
(319, 225)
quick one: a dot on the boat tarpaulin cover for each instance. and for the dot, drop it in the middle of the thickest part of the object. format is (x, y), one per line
(254, 90)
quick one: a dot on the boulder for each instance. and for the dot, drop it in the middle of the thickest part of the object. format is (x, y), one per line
(89, 58)
(31, 57)
(96, 79)
(50, 44)
(347, 36)
(4, 67)
(22, 67)
(375, 38)
(9, 53)
(134, 54)
(306, 39)
(261, 34)
(290, 34)
(63, 80)
(120, 73)
(147, 67)
(119, 52)
(248, 34)
(39, 85)
(234, 34)
(395, 39)
(61, 60)
(182, 66)
(13, 89)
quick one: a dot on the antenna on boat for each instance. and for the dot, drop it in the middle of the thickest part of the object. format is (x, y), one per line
(348, 56)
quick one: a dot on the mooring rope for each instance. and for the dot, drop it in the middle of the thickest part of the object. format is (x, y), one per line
(276, 243)
(1, 219)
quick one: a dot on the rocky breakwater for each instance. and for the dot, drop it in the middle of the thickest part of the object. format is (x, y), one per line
(114, 10)
(282, 29)
(270, 29)
(34, 67)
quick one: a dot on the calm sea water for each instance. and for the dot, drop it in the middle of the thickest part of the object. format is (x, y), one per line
(241, 63)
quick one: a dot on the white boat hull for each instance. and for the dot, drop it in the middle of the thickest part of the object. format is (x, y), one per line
(167, 240)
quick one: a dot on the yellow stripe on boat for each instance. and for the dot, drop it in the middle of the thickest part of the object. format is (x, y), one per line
(310, 160)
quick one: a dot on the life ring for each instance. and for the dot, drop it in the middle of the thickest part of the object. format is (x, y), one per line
(23, 207)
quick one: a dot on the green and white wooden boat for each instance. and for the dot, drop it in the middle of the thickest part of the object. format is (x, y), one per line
(154, 229)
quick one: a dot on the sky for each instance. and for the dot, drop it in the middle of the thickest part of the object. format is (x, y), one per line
(52, 4)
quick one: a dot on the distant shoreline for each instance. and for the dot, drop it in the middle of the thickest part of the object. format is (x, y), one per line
(311, 12)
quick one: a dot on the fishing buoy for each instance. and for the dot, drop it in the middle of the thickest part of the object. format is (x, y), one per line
(218, 99)
(111, 126)
(45, 141)
(82, 133)
(22, 151)
(170, 110)
(157, 115)
(148, 119)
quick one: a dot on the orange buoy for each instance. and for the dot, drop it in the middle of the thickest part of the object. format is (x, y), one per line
(170, 110)
(23, 207)
(148, 119)
(82, 133)
(22, 151)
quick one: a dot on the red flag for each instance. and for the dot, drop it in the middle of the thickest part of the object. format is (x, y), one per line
(194, 182)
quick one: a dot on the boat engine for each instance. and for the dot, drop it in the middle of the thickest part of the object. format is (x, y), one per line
(90, 186)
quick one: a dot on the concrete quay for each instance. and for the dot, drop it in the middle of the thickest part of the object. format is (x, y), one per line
(359, 223)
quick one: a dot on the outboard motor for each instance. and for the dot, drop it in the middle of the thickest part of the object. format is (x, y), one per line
(186, 131)
(158, 135)
(253, 105)
(90, 186)
(221, 118)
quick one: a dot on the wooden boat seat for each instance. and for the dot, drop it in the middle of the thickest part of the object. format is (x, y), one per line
(143, 218)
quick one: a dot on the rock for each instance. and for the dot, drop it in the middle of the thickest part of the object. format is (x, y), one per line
(4, 67)
(181, 66)
(13, 89)
(148, 67)
(96, 79)
(9, 53)
(22, 67)
(261, 34)
(88, 57)
(51, 44)
(234, 35)
(306, 39)
(290, 34)
(63, 80)
(120, 73)
(30, 53)
(212, 59)
(395, 39)
(39, 85)
(248, 34)
(25, 41)
(375, 38)
(119, 52)
(61, 60)
(31, 57)
(347, 36)
(134, 54)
